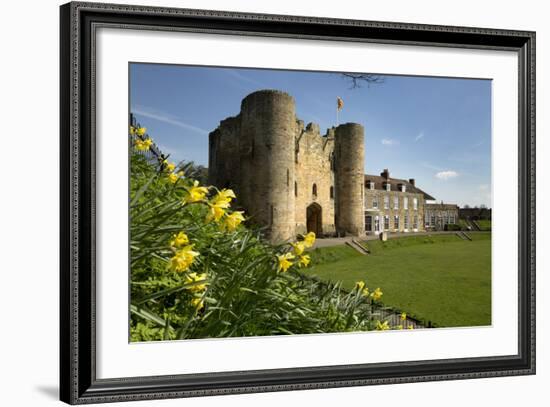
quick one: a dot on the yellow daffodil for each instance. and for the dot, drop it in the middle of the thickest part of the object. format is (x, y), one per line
(197, 303)
(309, 239)
(169, 167)
(403, 316)
(411, 327)
(196, 193)
(304, 260)
(219, 204)
(298, 248)
(215, 214)
(223, 198)
(179, 240)
(233, 220)
(196, 278)
(284, 261)
(399, 326)
(360, 286)
(132, 130)
(183, 259)
(140, 131)
(173, 178)
(143, 145)
(382, 326)
(376, 294)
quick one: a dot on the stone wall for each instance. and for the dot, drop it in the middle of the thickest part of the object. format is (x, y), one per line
(439, 214)
(314, 171)
(381, 211)
(282, 170)
(349, 167)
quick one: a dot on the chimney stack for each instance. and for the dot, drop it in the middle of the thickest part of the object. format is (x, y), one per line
(385, 173)
(411, 181)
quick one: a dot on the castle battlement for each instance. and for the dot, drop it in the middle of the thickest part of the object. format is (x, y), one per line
(288, 177)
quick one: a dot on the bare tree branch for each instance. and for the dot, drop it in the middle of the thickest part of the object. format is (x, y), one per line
(357, 79)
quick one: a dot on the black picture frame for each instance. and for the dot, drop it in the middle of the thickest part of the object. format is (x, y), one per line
(78, 382)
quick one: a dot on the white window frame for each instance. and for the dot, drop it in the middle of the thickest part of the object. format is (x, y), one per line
(386, 222)
(386, 202)
(396, 222)
(415, 204)
(388, 186)
(405, 202)
(375, 202)
(396, 202)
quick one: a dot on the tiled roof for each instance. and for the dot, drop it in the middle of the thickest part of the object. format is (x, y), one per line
(380, 181)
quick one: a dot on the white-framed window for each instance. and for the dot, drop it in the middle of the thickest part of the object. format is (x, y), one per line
(415, 222)
(396, 222)
(377, 224)
(406, 225)
(375, 202)
(403, 188)
(395, 202)
(388, 186)
(368, 223)
(371, 185)
(405, 202)
(415, 204)
(386, 202)
(432, 220)
(386, 222)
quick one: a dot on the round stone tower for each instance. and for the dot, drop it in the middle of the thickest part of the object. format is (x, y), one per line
(268, 122)
(349, 170)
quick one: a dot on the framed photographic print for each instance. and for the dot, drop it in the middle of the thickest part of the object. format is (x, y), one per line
(255, 203)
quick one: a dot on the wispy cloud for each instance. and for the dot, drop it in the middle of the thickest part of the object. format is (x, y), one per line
(389, 142)
(419, 137)
(166, 118)
(243, 78)
(445, 175)
(478, 144)
(431, 166)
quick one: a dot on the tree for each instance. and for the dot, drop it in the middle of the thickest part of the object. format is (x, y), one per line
(358, 79)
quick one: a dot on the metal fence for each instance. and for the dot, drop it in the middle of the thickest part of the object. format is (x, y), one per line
(153, 154)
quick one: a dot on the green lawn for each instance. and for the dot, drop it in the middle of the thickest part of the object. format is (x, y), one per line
(484, 224)
(440, 278)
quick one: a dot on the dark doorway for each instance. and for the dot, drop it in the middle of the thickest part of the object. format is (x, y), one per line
(315, 219)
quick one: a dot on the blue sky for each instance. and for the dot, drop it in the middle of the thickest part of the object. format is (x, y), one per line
(436, 130)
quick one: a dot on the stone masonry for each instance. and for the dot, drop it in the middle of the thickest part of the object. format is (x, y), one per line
(287, 176)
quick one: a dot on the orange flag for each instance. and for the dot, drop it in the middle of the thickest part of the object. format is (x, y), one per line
(339, 103)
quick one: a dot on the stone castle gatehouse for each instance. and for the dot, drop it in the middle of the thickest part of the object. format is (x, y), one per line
(287, 176)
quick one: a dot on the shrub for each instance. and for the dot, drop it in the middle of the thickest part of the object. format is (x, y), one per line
(452, 227)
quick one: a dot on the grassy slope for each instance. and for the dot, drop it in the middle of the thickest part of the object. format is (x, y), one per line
(441, 279)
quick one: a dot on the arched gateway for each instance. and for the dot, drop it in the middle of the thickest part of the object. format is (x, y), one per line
(314, 218)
